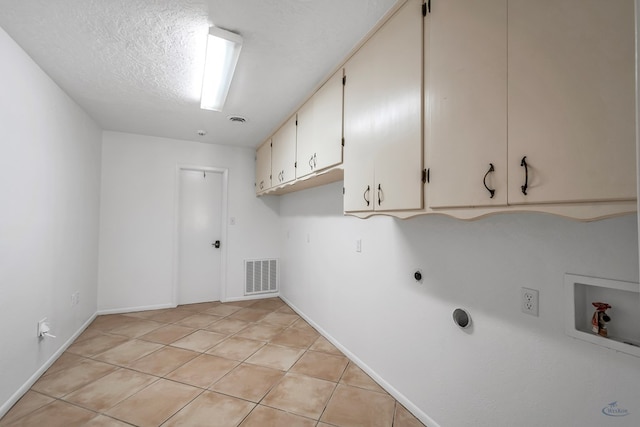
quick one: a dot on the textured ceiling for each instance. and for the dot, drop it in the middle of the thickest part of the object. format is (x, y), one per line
(136, 65)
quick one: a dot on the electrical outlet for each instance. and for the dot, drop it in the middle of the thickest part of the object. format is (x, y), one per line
(75, 299)
(42, 327)
(529, 301)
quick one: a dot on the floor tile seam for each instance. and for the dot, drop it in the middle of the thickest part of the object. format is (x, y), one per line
(165, 376)
(156, 379)
(59, 399)
(191, 349)
(395, 412)
(318, 378)
(289, 412)
(109, 408)
(184, 406)
(88, 338)
(383, 392)
(296, 347)
(174, 380)
(128, 368)
(232, 396)
(235, 360)
(47, 373)
(146, 355)
(328, 352)
(280, 381)
(136, 320)
(247, 416)
(116, 419)
(326, 405)
(274, 385)
(80, 386)
(128, 362)
(28, 413)
(264, 366)
(345, 369)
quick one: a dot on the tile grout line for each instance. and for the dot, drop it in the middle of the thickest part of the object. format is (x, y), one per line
(105, 328)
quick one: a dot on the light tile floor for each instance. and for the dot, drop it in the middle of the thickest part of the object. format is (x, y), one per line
(249, 363)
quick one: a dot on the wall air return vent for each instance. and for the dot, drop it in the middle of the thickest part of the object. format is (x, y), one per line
(261, 276)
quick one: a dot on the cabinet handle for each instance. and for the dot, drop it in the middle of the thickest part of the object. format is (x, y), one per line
(523, 163)
(262, 185)
(315, 160)
(311, 162)
(484, 181)
(380, 195)
(364, 195)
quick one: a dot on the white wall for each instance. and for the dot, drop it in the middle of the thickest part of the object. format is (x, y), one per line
(510, 368)
(138, 220)
(49, 206)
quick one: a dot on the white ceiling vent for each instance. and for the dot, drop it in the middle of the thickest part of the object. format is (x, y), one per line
(237, 119)
(261, 276)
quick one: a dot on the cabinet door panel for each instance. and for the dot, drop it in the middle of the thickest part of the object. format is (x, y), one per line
(571, 100)
(383, 113)
(467, 96)
(263, 167)
(319, 141)
(284, 153)
(358, 180)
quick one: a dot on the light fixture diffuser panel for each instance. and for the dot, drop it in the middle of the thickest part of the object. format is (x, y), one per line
(223, 50)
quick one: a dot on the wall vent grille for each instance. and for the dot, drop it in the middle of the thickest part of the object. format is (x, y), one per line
(261, 276)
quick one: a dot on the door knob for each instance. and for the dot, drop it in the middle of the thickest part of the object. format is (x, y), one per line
(216, 244)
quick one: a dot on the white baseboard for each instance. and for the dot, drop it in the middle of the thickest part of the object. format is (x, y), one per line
(417, 412)
(134, 309)
(169, 305)
(252, 297)
(4, 408)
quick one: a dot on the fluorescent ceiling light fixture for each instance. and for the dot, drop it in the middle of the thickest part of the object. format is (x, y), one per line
(223, 50)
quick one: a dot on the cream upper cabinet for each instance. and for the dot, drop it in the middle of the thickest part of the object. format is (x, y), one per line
(571, 101)
(263, 167)
(466, 126)
(283, 153)
(383, 117)
(319, 141)
(535, 98)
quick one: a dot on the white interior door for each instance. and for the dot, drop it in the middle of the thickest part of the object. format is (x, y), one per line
(200, 226)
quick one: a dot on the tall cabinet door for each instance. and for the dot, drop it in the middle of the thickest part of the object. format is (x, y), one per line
(263, 167)
(319, 141)
(467, 99)
(571, 101)
(383, 116)
(283, 153)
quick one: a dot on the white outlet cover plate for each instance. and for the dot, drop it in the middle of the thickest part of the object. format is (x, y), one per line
(529, 301)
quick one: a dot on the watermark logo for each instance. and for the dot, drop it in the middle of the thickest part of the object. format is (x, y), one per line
(613, 410)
